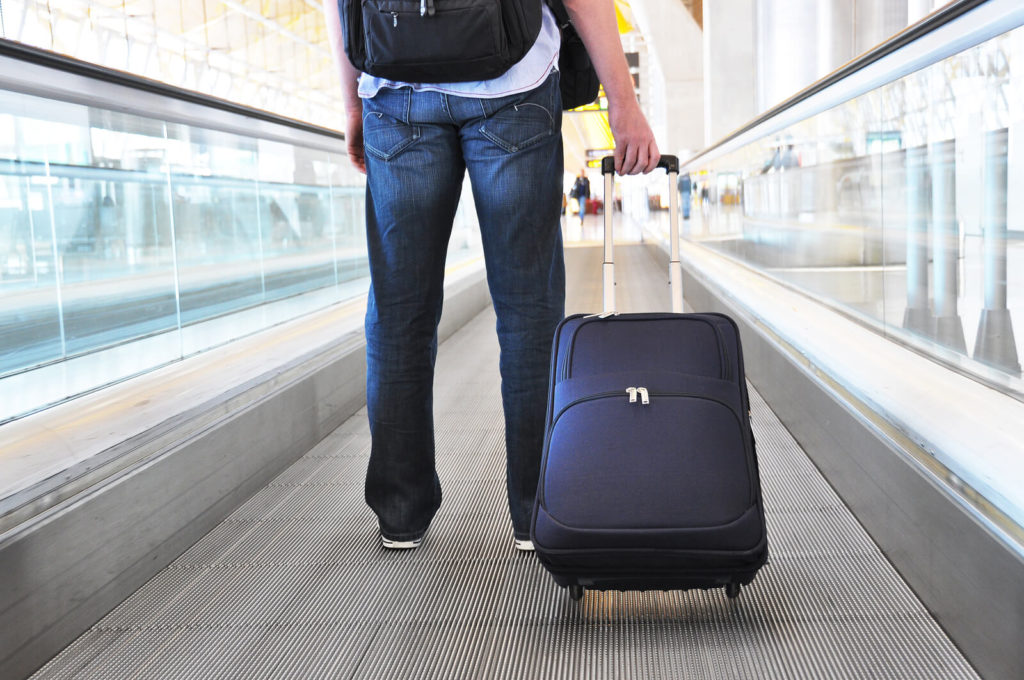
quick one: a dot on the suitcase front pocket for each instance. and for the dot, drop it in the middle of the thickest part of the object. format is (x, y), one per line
(678, 461)
(674, 344)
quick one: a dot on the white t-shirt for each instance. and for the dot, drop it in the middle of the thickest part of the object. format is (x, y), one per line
(525, 74)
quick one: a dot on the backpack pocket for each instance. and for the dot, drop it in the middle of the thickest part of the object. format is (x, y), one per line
(435, 40)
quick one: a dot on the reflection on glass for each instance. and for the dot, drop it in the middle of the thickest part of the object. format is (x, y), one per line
(29, 307)
(897, 206)
(118, 228)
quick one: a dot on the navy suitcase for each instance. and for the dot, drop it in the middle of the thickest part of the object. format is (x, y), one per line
(649, 476)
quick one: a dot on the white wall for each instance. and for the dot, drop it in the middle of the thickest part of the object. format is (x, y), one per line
(673, 78)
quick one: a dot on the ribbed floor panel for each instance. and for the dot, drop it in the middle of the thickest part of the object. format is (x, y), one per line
(295, 584)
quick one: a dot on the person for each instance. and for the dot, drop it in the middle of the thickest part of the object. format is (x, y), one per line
(581, 192)
(683, 183)
(415, 142)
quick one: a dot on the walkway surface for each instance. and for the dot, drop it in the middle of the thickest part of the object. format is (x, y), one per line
(295, 584)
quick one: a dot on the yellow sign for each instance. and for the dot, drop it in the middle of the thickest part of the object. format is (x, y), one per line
(623, 17)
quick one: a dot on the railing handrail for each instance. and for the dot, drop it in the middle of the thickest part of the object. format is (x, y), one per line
(52, 60)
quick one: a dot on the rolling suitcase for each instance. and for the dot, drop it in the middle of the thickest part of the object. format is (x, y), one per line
(649, 476)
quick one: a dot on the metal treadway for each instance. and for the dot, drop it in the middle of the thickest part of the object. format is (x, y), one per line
(295, 584)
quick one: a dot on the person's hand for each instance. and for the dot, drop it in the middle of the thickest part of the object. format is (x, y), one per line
(354, 139)
(636, 151)
(635, 148)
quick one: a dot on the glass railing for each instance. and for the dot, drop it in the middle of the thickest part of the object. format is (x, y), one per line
(900, 206)
(130, 239)
(891, 192)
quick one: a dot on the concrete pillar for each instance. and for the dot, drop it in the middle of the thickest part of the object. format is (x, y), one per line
(1014, 45)
(729, 65)
(919, 9)
(945, 245)
(995, 342)
(917, 316)
(758, 53)
(876, 21)
(798, 42)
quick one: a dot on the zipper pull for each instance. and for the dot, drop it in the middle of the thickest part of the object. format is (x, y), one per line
(643, 395)
(394, 19)
(426, 7)
(632, 394)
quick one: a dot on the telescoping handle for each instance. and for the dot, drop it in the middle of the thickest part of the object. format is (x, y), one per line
(675, 268)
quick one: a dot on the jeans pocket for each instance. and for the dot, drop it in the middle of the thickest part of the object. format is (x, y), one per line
(385, 135)
(523, 121)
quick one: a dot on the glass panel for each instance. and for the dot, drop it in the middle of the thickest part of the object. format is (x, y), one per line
(297, 249)
(348, 231)
(127, 242)
(896, 207)
(216, 223)
(112, 223)
(119, 230)
(30, 330)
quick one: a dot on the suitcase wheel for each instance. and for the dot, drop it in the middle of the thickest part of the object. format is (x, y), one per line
(576, 591)
(732, 590)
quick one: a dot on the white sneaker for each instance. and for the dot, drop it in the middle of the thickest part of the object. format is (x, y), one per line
(407, 544)
(524, 545)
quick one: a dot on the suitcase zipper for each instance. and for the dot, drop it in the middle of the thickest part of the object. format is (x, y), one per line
(631, 391)
(634, 391)
(645, 399)
(748, 443)
(724, 352)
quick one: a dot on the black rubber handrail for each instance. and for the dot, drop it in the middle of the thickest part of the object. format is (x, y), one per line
(60, 62)
(930, 23)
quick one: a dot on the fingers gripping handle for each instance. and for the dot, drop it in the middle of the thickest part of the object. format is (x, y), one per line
(675, 269)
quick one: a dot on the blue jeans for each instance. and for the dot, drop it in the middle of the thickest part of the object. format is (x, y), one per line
(418, 147)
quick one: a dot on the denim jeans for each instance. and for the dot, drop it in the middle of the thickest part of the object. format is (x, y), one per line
(419, 146)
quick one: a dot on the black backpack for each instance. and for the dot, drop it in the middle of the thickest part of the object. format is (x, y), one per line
(438, 41)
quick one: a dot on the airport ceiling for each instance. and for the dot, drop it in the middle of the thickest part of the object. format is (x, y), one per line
(268, 39)
(229, 25)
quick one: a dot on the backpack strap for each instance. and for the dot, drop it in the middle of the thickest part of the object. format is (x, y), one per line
(557, 8)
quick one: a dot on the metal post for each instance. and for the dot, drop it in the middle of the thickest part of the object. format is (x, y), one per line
(608, 268)
(675, 268)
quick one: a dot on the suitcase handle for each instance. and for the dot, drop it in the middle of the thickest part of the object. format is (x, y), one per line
(667, 162)
(675, 269)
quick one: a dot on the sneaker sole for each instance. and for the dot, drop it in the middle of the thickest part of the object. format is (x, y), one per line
(392, 544)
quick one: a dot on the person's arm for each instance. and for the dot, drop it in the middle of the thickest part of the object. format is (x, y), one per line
(349, 87)
(636, 150)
